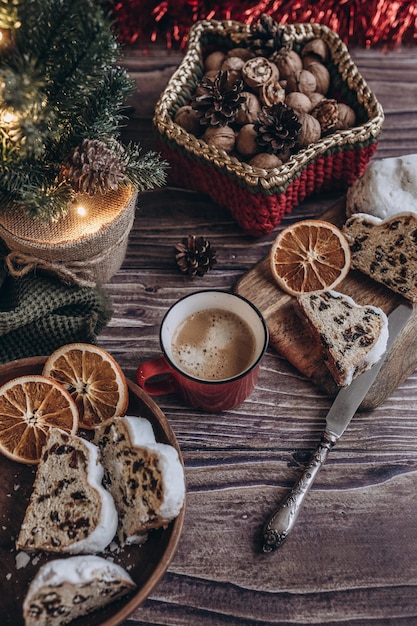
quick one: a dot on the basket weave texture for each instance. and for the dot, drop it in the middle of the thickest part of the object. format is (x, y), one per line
(258, 199)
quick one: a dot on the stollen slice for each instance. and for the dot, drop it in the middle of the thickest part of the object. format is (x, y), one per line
(145, 477)
(64, 589)
(352, 337)
(69, 510)
(385, 250)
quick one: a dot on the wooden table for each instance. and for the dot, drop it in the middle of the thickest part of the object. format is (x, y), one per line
(352, 557)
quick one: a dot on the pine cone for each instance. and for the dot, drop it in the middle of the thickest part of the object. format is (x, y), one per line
(277, 128)
(93, 167)
(195, 255)
(269, 38)
(217, 102)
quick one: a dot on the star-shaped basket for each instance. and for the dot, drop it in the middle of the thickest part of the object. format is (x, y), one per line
(259, 198)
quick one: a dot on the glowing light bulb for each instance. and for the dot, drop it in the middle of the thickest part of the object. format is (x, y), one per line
(9, 117)
(81, 211)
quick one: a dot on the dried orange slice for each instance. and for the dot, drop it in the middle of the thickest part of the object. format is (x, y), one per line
(29, 407)
(310, 255)
(94, 380)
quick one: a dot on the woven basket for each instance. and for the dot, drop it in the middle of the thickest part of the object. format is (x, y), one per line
(257, 198)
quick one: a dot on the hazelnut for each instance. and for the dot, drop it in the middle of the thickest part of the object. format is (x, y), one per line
(346, 117)
(321, 74)
(187, 118)
(318, 48)
(246, 143)
(310, 130)
(302, 81)
(288, 64)
(258, 71)
(222, 137)
(298, 101)
(249, 110)
(271, 93)
(265, 161)
(214, 61)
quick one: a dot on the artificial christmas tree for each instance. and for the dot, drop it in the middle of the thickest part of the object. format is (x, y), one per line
(61, 106)
(68, 185)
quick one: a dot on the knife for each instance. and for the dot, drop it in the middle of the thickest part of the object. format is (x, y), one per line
(341, 412)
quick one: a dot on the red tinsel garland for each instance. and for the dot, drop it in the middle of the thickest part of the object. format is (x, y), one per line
(366, 23)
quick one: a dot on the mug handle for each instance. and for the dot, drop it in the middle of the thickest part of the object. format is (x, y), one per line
(152, 368)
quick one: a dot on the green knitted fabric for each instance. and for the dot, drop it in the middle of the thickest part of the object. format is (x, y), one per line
(38, 314)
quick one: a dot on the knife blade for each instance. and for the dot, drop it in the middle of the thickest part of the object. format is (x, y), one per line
(344, 407)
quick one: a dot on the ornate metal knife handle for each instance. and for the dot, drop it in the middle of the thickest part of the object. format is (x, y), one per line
(283, 520)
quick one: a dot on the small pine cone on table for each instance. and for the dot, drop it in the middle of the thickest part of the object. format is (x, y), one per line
(195, 255)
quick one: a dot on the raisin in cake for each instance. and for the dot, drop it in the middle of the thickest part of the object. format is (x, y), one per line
(352, 337)
(69, 510)
(145, 478)
(64, 589)
(386, 250)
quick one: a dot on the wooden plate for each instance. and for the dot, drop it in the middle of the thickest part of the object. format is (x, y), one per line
(146, 564)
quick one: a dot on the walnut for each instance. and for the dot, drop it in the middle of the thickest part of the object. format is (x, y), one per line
(265, 161)
(310, 130)
(249, 110)
(298, 101)
(289, 64)
(211, 74)
(246, 143)
(258, 71)
(327, 113)
(302, 81)
(222, 137)
(243, 53)
(214, 61)
(318, 48)
(321, 74)
(271, 93)
(187, 118)
(346, 117)
(233, 63)
(315, 98)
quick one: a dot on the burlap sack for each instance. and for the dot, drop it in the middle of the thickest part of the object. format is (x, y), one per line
(84, 249)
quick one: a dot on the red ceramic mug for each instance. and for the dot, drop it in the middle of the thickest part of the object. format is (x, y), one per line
(212, 344)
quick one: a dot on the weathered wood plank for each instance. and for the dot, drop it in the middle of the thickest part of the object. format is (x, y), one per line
(352, 556)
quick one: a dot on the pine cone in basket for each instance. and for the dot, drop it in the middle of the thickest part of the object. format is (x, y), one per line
(277, 128)
(195, 255)
(269, 38)
(92, 167)
(218, 101)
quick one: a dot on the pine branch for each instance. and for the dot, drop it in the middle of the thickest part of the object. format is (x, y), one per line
(60, 82)
(144, 172)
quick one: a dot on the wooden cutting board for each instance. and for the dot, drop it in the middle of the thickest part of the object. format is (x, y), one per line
(291, 339)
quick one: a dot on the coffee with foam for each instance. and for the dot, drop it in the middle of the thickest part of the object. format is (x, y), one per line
(213, 344)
